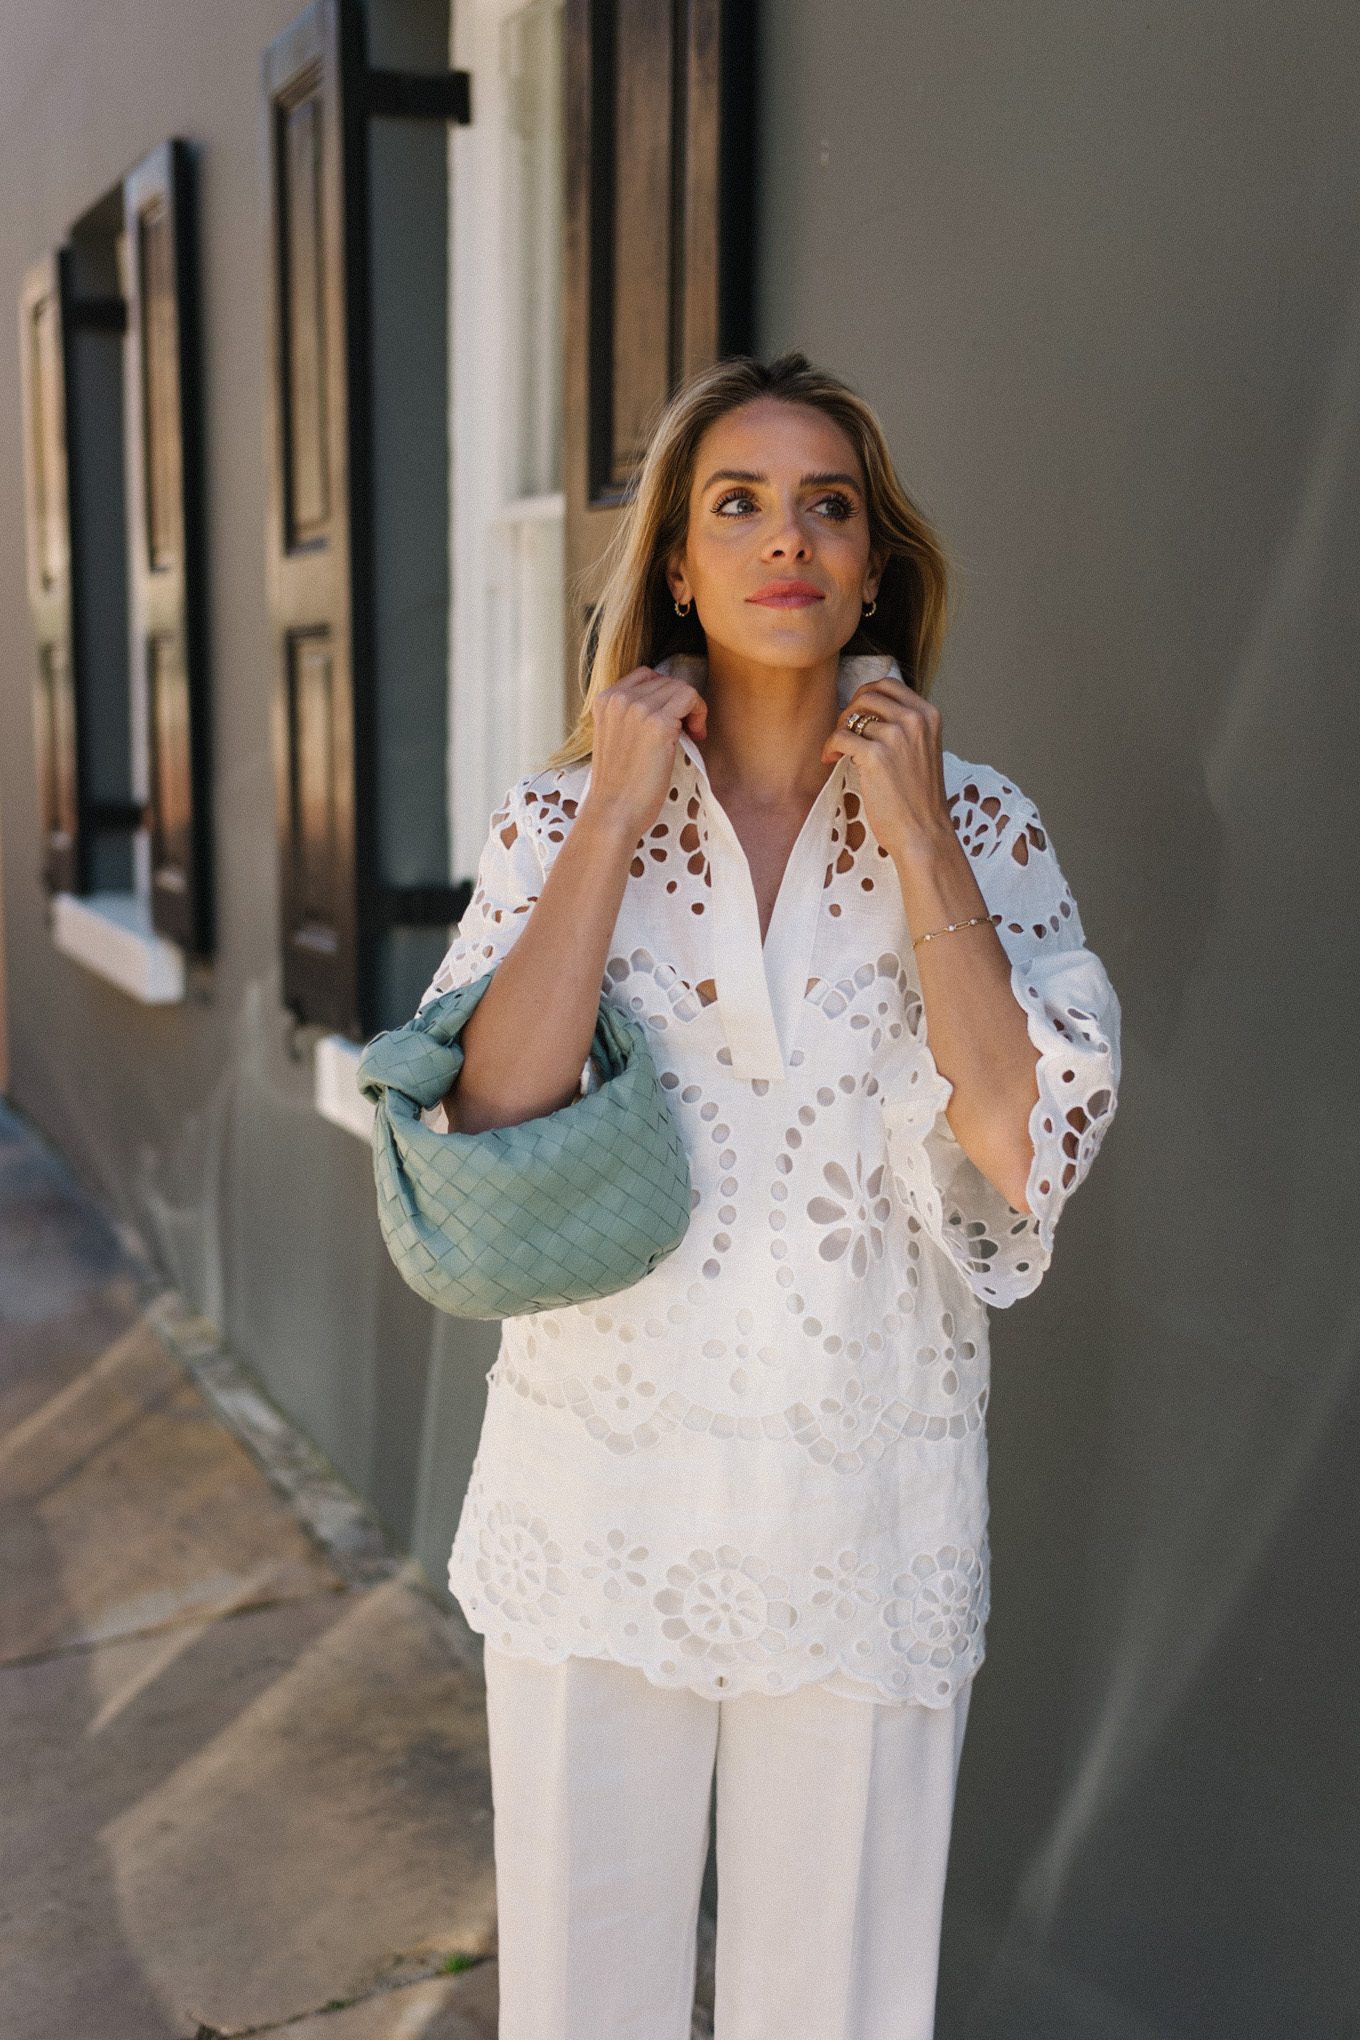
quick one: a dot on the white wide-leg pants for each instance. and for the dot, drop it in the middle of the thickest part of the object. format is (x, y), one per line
(833, 1836)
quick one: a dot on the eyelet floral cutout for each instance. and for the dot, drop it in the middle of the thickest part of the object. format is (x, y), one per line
(855, 1214)
(679, 844)
(714, 1177)
(857, 865)
(723, 1606)
(677, 1000)
(615, 1565)
(765, 1464)
(936, 1614)
(724, 1623)
(519, 1566)
(845, 1586)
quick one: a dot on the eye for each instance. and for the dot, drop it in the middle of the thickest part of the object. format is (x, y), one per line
(835, 507)
(736, 503)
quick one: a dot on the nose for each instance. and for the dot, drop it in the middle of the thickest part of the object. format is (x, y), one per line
(788, 540)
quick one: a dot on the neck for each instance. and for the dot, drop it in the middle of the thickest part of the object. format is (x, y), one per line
(766, 728)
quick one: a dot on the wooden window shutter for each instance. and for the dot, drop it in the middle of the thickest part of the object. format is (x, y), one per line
(659, 239)
(336, 902)
(168, 566)
(42, 348)
(311, 541)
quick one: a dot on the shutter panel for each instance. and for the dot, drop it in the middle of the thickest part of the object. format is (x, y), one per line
(42, 350)
(343, 913)
(165, 471)
(317, 482)
(658, 260)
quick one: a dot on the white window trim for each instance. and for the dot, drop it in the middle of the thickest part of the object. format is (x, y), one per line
(335, 1070)
(507, 698)
(111, 934)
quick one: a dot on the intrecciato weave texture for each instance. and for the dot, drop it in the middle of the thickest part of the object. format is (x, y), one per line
(559, 1210)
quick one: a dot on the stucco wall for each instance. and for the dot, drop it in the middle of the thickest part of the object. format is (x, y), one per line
(197, 1121)
(1099, 268)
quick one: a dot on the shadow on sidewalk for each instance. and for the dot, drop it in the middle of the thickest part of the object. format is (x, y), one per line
(239, 1788)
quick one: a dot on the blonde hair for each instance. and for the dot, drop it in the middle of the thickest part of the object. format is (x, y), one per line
(635, 624)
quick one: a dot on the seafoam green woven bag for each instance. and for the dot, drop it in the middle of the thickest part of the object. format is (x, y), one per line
(558, 1210)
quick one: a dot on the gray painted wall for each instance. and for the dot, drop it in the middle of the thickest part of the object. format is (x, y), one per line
(197, 1121)
(1099, 268)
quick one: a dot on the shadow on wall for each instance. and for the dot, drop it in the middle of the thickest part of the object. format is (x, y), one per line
(1204, 1747)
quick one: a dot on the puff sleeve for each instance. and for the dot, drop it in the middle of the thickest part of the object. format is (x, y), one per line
(1073, 1020)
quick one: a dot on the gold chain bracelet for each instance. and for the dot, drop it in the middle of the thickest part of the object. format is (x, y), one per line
(978, 921)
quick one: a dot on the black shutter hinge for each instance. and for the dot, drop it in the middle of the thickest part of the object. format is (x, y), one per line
(421, 906)
(96, 315)
(409, 95)
(116, 816)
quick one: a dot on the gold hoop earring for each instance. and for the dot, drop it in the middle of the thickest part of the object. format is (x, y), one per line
(872, 607)
(683, 608)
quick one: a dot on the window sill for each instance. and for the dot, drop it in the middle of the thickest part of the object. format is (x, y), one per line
(111, 934)
(336, 1093)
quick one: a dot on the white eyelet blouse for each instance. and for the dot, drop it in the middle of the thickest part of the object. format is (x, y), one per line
(765, 1463)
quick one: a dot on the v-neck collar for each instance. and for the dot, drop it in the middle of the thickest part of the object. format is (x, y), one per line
(759, 988)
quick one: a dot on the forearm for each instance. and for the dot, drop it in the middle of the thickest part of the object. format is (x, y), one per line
(528, 1040)
(977, 1030)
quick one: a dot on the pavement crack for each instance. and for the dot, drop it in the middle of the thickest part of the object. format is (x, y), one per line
(83, 1645)
(425, 1971)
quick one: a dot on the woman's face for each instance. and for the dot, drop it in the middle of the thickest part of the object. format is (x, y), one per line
(777, 559)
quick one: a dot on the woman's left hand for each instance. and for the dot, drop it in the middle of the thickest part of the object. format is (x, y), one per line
(978, 1033)
(900, 762)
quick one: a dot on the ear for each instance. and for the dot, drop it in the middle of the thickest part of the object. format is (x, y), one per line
(676, 579)
(873, 575)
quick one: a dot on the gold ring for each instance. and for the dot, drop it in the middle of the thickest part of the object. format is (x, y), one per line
(860, 720)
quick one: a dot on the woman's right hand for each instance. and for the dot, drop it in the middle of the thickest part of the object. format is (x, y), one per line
(638, 722)
(524, 1046)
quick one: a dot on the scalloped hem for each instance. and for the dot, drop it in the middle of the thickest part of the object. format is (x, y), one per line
(733, 1681)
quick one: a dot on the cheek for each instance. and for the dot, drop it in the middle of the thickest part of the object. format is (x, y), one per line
(719, 562)
(848, 560)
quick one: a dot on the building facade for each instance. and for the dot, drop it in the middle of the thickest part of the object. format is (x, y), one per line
(337, 334)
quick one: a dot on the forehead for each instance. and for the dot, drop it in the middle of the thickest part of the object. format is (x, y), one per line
(772, 438)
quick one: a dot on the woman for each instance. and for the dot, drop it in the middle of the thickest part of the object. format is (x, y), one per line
(733, 1518)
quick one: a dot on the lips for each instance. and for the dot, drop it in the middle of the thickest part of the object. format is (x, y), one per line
(786, 595)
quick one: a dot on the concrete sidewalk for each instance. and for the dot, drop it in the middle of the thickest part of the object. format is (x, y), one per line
(243, 1772)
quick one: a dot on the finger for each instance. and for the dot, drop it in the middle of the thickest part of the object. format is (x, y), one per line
(893, 701)
(886, 684)
(642, 683)
(870, 714)
(874, 721)
(890, 722)
(649, 694)
(638, 686)
(683, 709)
(843, 743)
(668, 695)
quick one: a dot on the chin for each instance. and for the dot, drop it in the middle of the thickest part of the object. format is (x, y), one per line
(784, 644)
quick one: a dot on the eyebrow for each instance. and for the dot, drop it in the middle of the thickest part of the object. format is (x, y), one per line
(808, 482)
